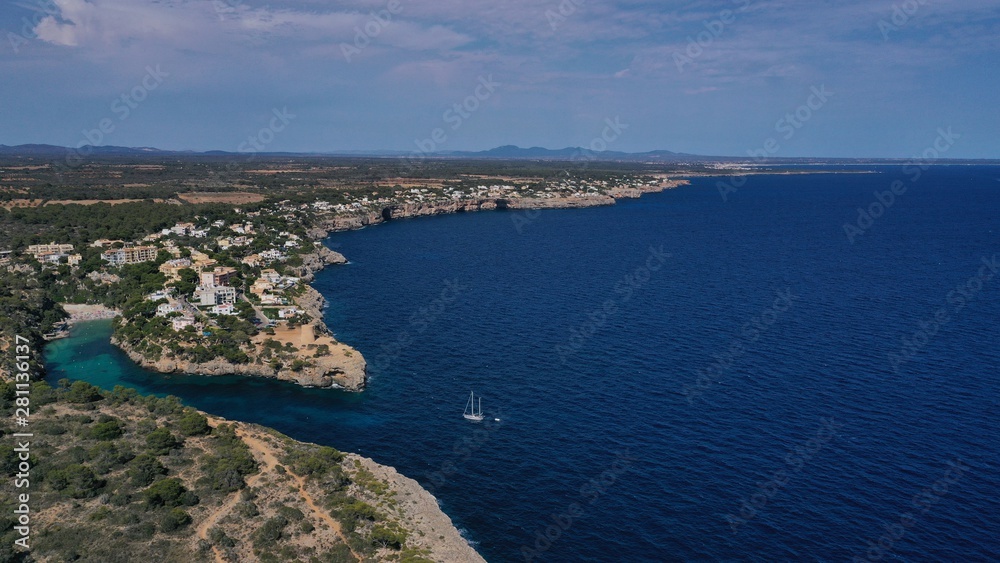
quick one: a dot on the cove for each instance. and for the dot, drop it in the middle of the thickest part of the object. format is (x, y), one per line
(599, 453)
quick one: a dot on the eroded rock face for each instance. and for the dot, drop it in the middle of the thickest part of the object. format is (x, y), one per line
(316, 261)
(404, 211)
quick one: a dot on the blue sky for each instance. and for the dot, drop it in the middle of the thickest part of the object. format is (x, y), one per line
(713, 77)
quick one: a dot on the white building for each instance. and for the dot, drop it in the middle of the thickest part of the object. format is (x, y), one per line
(272, 256)
(215, 295)
(271, 299)
(38, 250)
(129, 255)
(288, 312)
(180, 323)
(164, 309)
(224, 309)
(182, 228)
(160, 294)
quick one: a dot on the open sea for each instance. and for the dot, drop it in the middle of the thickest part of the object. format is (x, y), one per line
(681, 377)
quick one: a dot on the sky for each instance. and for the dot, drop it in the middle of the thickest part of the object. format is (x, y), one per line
(842, 78)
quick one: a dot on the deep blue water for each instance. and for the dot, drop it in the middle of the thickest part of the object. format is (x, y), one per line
(586, 394)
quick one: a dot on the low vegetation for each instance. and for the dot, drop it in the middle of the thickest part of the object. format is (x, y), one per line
(120, 477)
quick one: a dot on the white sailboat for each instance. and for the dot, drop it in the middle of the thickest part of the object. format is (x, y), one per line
(470, 409)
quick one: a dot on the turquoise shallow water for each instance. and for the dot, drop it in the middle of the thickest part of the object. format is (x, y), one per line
(800, 441)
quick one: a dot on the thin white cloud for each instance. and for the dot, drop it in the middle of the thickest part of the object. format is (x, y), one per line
(188, 25)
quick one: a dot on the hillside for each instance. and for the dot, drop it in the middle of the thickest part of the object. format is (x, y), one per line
(118, 477)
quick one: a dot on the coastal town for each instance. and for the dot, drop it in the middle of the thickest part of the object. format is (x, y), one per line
(227, 291)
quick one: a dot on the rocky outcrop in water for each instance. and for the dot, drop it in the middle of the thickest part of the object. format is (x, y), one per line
(315, 261)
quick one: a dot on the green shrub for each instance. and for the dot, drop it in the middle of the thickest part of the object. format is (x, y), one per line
(247, 509)
(270, 531)
(316, 463)
(291, 513)
(144, 469)
(108, 430)
(106, 456)
(385, 536)
(218, 537)
(165, 492)
(82, 392)
(193, 423)
(75, 481)
(231, 461)
(161, 441)
(174, 520)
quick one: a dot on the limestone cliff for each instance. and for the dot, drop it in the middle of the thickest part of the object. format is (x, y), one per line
(341, 367)
(315, 261)
(332, 223)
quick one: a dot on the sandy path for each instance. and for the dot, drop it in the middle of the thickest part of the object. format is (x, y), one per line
(226, 508)
(265, 455)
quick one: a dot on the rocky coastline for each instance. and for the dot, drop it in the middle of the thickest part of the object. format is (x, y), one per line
(345, 368)
(337, 223)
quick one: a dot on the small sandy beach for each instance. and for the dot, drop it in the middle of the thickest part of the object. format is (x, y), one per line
(80, 312)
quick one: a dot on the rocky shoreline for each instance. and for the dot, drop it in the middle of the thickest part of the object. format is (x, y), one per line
(421, 513)
(337, 223)
(429, 529)
(345, 368)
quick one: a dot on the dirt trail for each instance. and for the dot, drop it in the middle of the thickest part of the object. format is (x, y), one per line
(226, 508)
(268, 460)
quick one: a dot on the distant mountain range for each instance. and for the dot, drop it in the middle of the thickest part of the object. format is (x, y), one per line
(506, 152)
(515, 152)
(49, 150)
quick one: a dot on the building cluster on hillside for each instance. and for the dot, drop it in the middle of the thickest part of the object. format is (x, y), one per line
(185, 229)
(269, 285)
(129, 255)
(53, 253)
(214, 289)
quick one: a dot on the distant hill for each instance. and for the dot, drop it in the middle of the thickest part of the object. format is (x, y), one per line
(515, 152)
(49, 150)
(505, 152)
